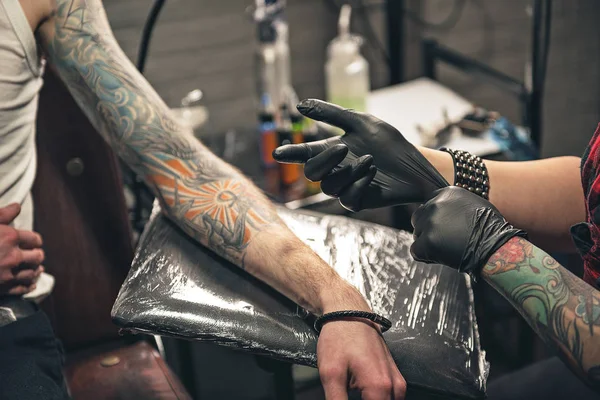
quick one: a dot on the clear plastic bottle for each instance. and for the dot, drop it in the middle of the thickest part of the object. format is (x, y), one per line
(346, 70)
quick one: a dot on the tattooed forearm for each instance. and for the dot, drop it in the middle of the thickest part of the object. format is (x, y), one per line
(206, 197)
(560, 307)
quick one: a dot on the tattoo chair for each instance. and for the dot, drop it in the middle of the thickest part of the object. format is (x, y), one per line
(80, 212)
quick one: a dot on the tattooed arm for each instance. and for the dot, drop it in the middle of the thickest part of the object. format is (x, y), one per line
(561, 308)
(208, 198)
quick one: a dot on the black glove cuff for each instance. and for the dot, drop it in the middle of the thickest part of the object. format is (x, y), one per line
(486, 242)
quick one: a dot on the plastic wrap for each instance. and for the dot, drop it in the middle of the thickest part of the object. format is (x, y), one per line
(179, 288)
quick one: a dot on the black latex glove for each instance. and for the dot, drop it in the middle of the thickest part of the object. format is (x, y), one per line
(459, 229)
(372, 165)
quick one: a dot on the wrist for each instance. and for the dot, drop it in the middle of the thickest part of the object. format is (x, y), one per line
(441, 161)
(339, 295)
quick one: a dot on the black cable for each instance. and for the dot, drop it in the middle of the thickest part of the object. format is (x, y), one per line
(147, 34)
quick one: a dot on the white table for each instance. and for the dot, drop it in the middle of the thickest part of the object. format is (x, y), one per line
(422, 102)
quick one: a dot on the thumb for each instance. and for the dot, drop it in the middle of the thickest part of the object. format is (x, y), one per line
(329, 113)
(9, 213)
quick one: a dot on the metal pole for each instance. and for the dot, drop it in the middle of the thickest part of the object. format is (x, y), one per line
(535, 97)
(395, 33)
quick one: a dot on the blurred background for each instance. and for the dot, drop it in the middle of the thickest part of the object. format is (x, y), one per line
(202, 60)
(210, 44)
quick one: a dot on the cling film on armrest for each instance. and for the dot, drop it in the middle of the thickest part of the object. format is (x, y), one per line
(178, 288)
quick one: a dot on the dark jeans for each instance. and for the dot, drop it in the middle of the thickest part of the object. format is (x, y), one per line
(549, 379)
(31, 361)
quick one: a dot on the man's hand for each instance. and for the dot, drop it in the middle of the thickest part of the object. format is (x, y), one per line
(20, 255)
(459, 229)
(372, 165)
(352, 354)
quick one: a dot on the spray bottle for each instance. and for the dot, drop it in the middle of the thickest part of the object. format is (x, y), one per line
(346, 70)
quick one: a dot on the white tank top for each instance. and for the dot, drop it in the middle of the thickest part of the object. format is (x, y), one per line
(21, 70)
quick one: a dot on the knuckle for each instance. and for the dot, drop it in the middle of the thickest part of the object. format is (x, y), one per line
(14, 258)
(383, 385)
(10, 235)
(400, 385)
(331, 372)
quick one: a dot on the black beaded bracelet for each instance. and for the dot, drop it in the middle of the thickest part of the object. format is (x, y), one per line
(470, 172)
(336, 315)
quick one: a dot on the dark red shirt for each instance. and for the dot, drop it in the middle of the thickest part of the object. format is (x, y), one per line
(587, 234)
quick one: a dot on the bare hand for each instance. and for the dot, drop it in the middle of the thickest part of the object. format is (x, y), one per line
(352, 354)
(20, 255)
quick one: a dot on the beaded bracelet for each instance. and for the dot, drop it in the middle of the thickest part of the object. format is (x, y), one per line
(470, 172)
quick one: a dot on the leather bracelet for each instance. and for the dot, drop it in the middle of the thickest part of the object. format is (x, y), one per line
(338, 315)
(470, 172)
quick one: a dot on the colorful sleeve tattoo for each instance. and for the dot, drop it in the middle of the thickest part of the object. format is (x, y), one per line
(561, 308)
(206, 197)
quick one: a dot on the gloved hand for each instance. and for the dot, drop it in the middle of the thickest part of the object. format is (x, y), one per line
(372, 165)
(459, 229)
